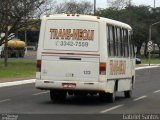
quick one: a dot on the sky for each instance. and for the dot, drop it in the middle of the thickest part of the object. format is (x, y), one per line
(103, 3)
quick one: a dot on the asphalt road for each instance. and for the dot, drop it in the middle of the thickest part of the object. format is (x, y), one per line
(25, 99)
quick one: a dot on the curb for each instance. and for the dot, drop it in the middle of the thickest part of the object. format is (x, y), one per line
(7, 84)
(147, 67)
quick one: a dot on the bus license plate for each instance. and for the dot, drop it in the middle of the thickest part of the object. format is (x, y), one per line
(68, 85)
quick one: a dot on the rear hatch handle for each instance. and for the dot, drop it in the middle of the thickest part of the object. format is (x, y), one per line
(67, 58)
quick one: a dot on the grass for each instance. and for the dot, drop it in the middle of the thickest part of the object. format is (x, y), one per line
(152, 61)
(17, 69)
(145, 62)
(155, 59)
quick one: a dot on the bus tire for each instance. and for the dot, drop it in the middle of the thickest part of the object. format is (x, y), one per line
(128, 94)
(111, 97)
(57, 95)
(103, 96)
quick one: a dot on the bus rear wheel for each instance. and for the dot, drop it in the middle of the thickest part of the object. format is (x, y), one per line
(103, 96)
(128, 94)
(57, 95)
(111, 97)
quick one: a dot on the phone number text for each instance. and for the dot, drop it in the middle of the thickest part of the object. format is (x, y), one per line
(71, 43)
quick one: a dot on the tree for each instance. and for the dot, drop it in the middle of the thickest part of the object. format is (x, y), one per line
(136, 16)
(15, 14)
(48, 7)
(73, 7)
(155, 13)
(156, 36)
(118, 4)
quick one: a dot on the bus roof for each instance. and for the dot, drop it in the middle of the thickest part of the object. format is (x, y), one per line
(88, 18)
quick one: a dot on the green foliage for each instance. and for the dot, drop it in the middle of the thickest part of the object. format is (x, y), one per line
(17, 69)
(153, 61)
(139, 17)
(33, 26)
(21, 14)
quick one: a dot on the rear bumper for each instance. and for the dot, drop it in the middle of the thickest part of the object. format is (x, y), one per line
(85, 86)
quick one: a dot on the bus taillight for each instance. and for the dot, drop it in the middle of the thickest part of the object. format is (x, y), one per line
(102, 68)
(38, 65)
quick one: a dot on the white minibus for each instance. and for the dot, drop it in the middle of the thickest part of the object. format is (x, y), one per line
(85, 55)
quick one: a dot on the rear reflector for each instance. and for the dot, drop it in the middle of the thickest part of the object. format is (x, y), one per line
(102, 68)
(38, 65)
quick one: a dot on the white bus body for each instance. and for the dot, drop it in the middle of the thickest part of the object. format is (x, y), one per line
(74, 56)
